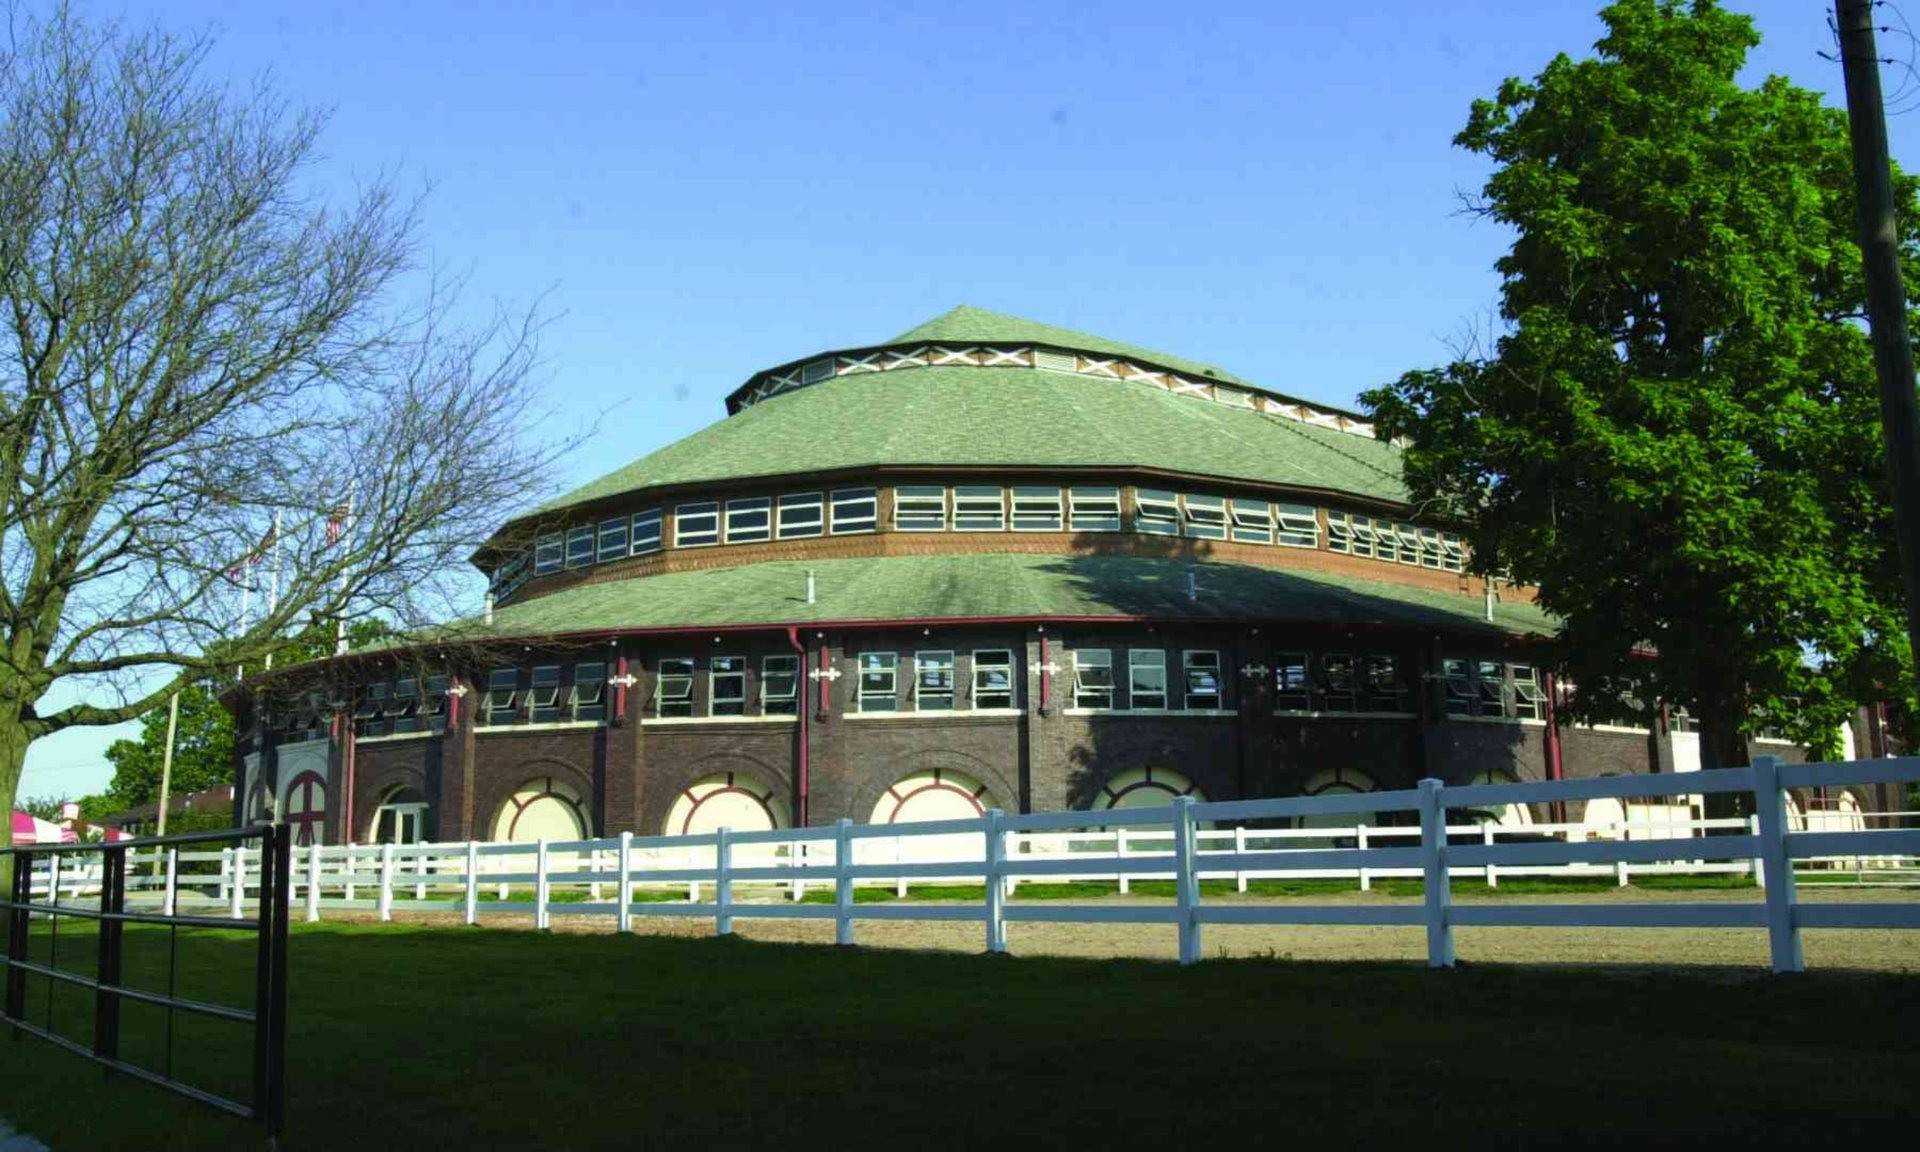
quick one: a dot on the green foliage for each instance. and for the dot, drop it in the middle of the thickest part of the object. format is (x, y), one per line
(1676, 436)
(45, 807)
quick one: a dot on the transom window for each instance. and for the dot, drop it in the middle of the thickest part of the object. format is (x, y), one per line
(933, 681)
(588, 700)
(993, 678)
(1036, 509)
(402, 705)
(510, 575)
(1206, 517)
(855, 510)
(673, 690)
(879, 681)
(1202, 671)
(749, 521)
(780, 685)
(801, 515)
(920, 509)
(1156, 513)
(1529, 702)
(1146, 678)
(548, 552)
(503, 685)
(1092, 678)
(368, 711)
(1292, 682)
(727, 686)
(646, 532)
(1252, 521)
(979, 509)
(543, 694)
(580, 546)
(696, 525)
(1299, 526)
(1094, 509)
(613, 539)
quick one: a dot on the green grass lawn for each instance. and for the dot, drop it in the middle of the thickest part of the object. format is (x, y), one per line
(414, 1037)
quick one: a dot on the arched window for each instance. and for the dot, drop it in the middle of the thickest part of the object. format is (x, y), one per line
(1146, 788)
(306, 808)
(732, 800)
(1500, 815)
(933, 794)
(541, 809)
(1335, 782)
(401, 817)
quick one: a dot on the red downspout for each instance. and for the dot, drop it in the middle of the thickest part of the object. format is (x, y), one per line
(1555, 770)
(620, 688)
(1046, 675)
(344, 721)
(801, 781)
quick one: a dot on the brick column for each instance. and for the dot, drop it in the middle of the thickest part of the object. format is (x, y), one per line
(620, 752)
(453, 806)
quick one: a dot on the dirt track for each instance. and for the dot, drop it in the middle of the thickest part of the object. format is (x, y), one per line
(1874, 949)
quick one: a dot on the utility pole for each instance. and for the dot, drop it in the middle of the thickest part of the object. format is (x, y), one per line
(166, 762)
(1886, 296)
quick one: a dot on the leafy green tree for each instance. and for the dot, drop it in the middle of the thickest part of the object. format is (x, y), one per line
(1675, 436)
(45, 807)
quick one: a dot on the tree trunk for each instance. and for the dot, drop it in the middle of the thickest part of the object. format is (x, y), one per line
(14, 739)
(1723, 741)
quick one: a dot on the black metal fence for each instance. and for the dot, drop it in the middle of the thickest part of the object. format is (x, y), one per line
(266, 1016)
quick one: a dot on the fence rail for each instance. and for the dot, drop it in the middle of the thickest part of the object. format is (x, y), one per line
(627, 876)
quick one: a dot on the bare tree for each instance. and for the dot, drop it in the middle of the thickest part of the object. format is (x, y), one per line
(207, 379)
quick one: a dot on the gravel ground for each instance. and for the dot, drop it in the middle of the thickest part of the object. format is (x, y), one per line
(1885, 950)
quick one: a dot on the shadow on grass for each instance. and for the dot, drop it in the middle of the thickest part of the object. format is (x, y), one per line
(406, 1036)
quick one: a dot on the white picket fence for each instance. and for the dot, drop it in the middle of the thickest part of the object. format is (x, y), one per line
(1157, 844)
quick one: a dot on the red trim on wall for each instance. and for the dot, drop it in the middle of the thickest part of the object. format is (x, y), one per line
(620, 689)
(801, 777)
(1046, 674)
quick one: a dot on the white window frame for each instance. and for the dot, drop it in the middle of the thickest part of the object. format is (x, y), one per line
(789, 526)
(1529, 701)
(1037, 509)
(979, 508)
(848, 522)
(583, 535)
(1156, 512)
(673, 686)
(699, 511)
(985, 662)
(543, 693)
(934, 660)
(1333, 696)
(509, 576)
(1205, 661)
(1392, 697)
(499, 680)
(1153, 662)
(1455, 549)
(774, 668)
(1094, 509)
(1462, 700)
(589, 691)
(1252, 520)
(1431, 551)
(1293, 680)
(612, 541)
(870, 701)
(1299, 525)
(735, 703)
(747, 506)
(914, 511)
(644, 536)
(1086, 660)
(549, 554)
(1409, 538)
(1204, 517)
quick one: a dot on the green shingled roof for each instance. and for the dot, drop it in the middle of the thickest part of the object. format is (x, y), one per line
(977, 325)
(978, 585)
(1008, 417)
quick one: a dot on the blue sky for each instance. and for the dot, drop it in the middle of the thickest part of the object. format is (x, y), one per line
(697, 191)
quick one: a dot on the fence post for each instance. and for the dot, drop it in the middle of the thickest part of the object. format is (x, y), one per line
(419, 872)
(1770, 807)
(471, 897)
(623, 916)
(842, 881)
(237, 891)
(1486, 838)
(723, 883)
(1438, 885)
(899, 882)
(797, 854)
(385, 900)
(540, 889)
(226, 872)
(346, 867)
(1239, 850)
(1366, 874)
(593, 865)
(996, 891)
(1186, 879)
(1759, 868)
(1120, 850)
(313, 881)
(171, 900)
